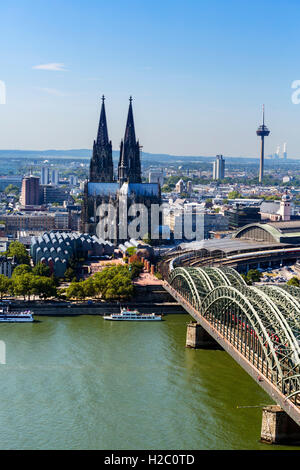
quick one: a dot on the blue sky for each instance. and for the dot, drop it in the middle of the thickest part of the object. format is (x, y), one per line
(199, 72)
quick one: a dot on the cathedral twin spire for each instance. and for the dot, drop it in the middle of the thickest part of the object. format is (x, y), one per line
(102, 137)
(129, 167)
(101, 166)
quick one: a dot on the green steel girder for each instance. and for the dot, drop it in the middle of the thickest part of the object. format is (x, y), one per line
(200, 273)
(233, 296)
(294, 291)
(289, 306)
(217, 276)
(234, 277)
(280, 326)
(178, 273)
(271, 313)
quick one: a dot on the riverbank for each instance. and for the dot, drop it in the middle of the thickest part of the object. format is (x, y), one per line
(148, 299)
(63, 309)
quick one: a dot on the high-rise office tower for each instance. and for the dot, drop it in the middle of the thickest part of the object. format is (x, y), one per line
(54, 177)
(30, 193)
(45, 177)
(262, 132)
(73, 180)
(219, 168)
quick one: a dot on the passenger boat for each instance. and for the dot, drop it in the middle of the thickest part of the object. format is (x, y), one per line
(6, 316)
(132, 315)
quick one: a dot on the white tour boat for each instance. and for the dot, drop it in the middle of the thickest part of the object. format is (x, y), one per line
(132, 315)
(15, 317)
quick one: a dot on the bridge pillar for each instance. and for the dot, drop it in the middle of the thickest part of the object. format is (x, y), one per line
(198, 338)
(277, 427)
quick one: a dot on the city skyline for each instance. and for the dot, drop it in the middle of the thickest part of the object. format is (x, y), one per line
(197, 77)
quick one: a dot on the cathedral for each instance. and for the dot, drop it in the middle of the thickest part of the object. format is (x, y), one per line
(110, 202)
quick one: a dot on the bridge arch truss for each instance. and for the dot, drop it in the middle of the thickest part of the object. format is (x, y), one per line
(262, 323)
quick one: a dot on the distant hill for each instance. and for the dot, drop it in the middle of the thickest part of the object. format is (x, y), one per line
(79, 153)
(86, 154)
(154, 158)
(82, 153)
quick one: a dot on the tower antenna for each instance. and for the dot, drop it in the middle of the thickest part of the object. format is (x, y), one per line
(262, 132)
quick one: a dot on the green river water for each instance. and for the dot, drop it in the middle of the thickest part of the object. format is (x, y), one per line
(86, 383)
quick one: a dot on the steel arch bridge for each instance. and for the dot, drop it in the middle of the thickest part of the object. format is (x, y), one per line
(258, 326)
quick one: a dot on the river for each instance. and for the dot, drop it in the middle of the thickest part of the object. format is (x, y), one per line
(86, 383)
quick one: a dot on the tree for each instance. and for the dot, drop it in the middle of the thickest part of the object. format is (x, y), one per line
(234, 195)
(253, 275)
(208, 203)
(70, 274)
(75, 291)
(19, 252)
(248, 281)
(89, 287)
(294, 281)
(114, 283)
(11, 188)
(41, 270)
(23, 284)
(5, 285)
(119, 288)
(44, 287)
(131, 250)
(21, 269)
(135, 269)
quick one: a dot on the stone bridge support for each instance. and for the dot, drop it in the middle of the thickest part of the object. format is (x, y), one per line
(278, 428)
(198, 338)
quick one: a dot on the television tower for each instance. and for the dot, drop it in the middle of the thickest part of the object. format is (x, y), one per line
(262, 132)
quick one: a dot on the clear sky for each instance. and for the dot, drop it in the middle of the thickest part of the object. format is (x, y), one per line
(198, 70)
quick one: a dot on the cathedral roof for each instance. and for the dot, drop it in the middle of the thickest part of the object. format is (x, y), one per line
(140, 189)
(102, 189)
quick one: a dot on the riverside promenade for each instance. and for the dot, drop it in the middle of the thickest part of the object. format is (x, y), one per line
(150, 297)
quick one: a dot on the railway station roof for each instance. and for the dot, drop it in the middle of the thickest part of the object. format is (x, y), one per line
(229, 245)
(273, 232)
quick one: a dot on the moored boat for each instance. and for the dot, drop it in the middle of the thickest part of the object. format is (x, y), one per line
(132, 315)
(6, 316)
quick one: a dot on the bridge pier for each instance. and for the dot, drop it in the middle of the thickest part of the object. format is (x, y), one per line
(198, 338)
(277, 427)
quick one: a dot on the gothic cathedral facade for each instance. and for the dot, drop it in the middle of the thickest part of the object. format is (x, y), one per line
(104, 193)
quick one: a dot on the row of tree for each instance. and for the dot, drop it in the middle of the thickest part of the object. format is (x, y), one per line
(28, 285)
(112, 283)
(27, 282)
